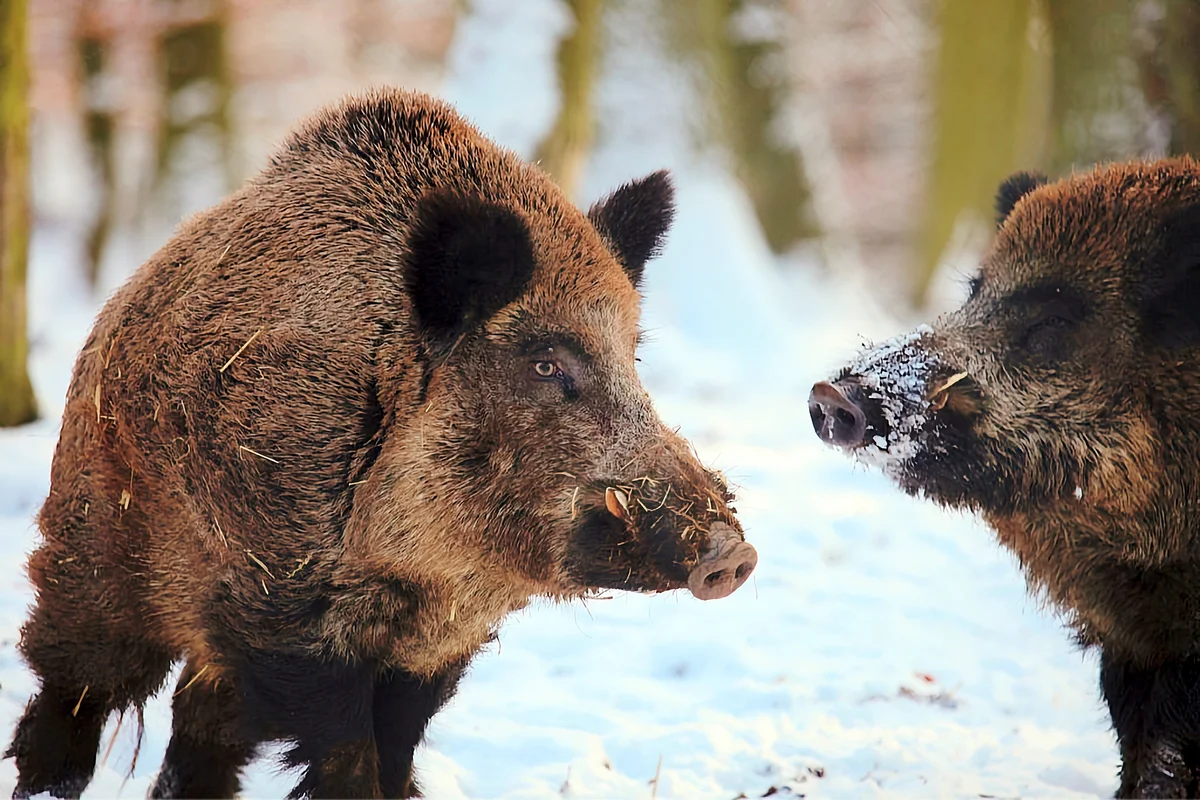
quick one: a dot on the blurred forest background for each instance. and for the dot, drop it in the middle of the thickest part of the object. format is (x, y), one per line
(869, 135)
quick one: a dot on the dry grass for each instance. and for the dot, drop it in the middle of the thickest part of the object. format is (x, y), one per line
(644, 495)
(261, 565)
(79, 702)
(188, 685)
(256, 453)
(303, 563)
(220, 533)
(240, 350)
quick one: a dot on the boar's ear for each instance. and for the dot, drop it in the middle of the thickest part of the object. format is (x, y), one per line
(1171, 314)
(467, 259)
(633, 221)
(1013, 189)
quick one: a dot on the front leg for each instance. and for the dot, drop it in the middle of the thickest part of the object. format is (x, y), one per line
(207, 750)
(404, 704)
(323, 706)
(1156, 715)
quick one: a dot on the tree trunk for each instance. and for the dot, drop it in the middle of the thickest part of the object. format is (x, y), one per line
(17, 405)
(565, 149)
(747, 93)
(1098, 110)
(1171, 73)
(992, 93)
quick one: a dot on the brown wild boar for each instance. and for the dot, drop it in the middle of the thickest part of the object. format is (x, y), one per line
(1062, 402)
(322, 442)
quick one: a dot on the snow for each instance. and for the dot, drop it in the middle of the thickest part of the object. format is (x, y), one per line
(884, 648)
(896, 373)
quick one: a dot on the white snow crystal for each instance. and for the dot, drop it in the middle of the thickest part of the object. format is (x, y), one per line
(896, 373)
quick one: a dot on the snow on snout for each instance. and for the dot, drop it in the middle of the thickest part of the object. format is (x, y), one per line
(895, 373)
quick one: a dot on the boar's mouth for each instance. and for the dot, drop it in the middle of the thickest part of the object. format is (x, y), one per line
(603, 554)
(642, 537)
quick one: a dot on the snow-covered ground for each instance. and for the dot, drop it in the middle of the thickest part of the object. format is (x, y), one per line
(883, 648)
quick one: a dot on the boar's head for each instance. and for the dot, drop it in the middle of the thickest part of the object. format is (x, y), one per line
(1069, 375)
(539, 450)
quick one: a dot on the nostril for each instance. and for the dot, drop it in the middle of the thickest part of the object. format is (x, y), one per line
(836, 418)
(723, 571)
(817, 412)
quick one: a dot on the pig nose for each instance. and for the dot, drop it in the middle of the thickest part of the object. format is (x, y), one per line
(835, 418)
(725, 567)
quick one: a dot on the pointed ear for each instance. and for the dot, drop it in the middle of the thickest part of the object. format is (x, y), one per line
(633, 221)
(1171, 313)
(467, 259)
(1013, 189)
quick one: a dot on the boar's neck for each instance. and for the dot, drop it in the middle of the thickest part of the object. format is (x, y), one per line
(413, 588)
(1121, 576)
(420, 626)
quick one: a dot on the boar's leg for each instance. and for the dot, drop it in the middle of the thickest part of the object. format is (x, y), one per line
(350, 769)
(1156, 715)
(404, 704)
(55, 745)
(88, 644)
(322, 705)
(208, 748)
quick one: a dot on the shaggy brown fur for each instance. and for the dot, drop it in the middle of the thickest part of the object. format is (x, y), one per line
(322, 442)
(1076, 431)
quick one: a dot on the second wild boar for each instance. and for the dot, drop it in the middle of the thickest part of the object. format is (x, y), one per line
(1062, 402)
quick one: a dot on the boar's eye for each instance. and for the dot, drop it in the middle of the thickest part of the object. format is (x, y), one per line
(1053, 312)
(547, 370)
(559, 364)
(1045, 337)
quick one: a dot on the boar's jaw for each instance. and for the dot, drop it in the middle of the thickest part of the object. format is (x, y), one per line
(602, 553)
(645, 536)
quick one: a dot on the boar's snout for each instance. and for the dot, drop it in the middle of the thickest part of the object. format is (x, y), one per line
(725, 567)
(651, 535)
(836, 418)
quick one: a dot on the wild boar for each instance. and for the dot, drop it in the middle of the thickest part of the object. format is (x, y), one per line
(1062, 403)
(323, 441)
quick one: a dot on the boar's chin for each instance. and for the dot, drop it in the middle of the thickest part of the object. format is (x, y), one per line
(603, 554)
(952, 482)
(965, 473)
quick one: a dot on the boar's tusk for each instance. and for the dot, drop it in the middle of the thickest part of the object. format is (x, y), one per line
(953, 379)
(941, 395)
(616, 502)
